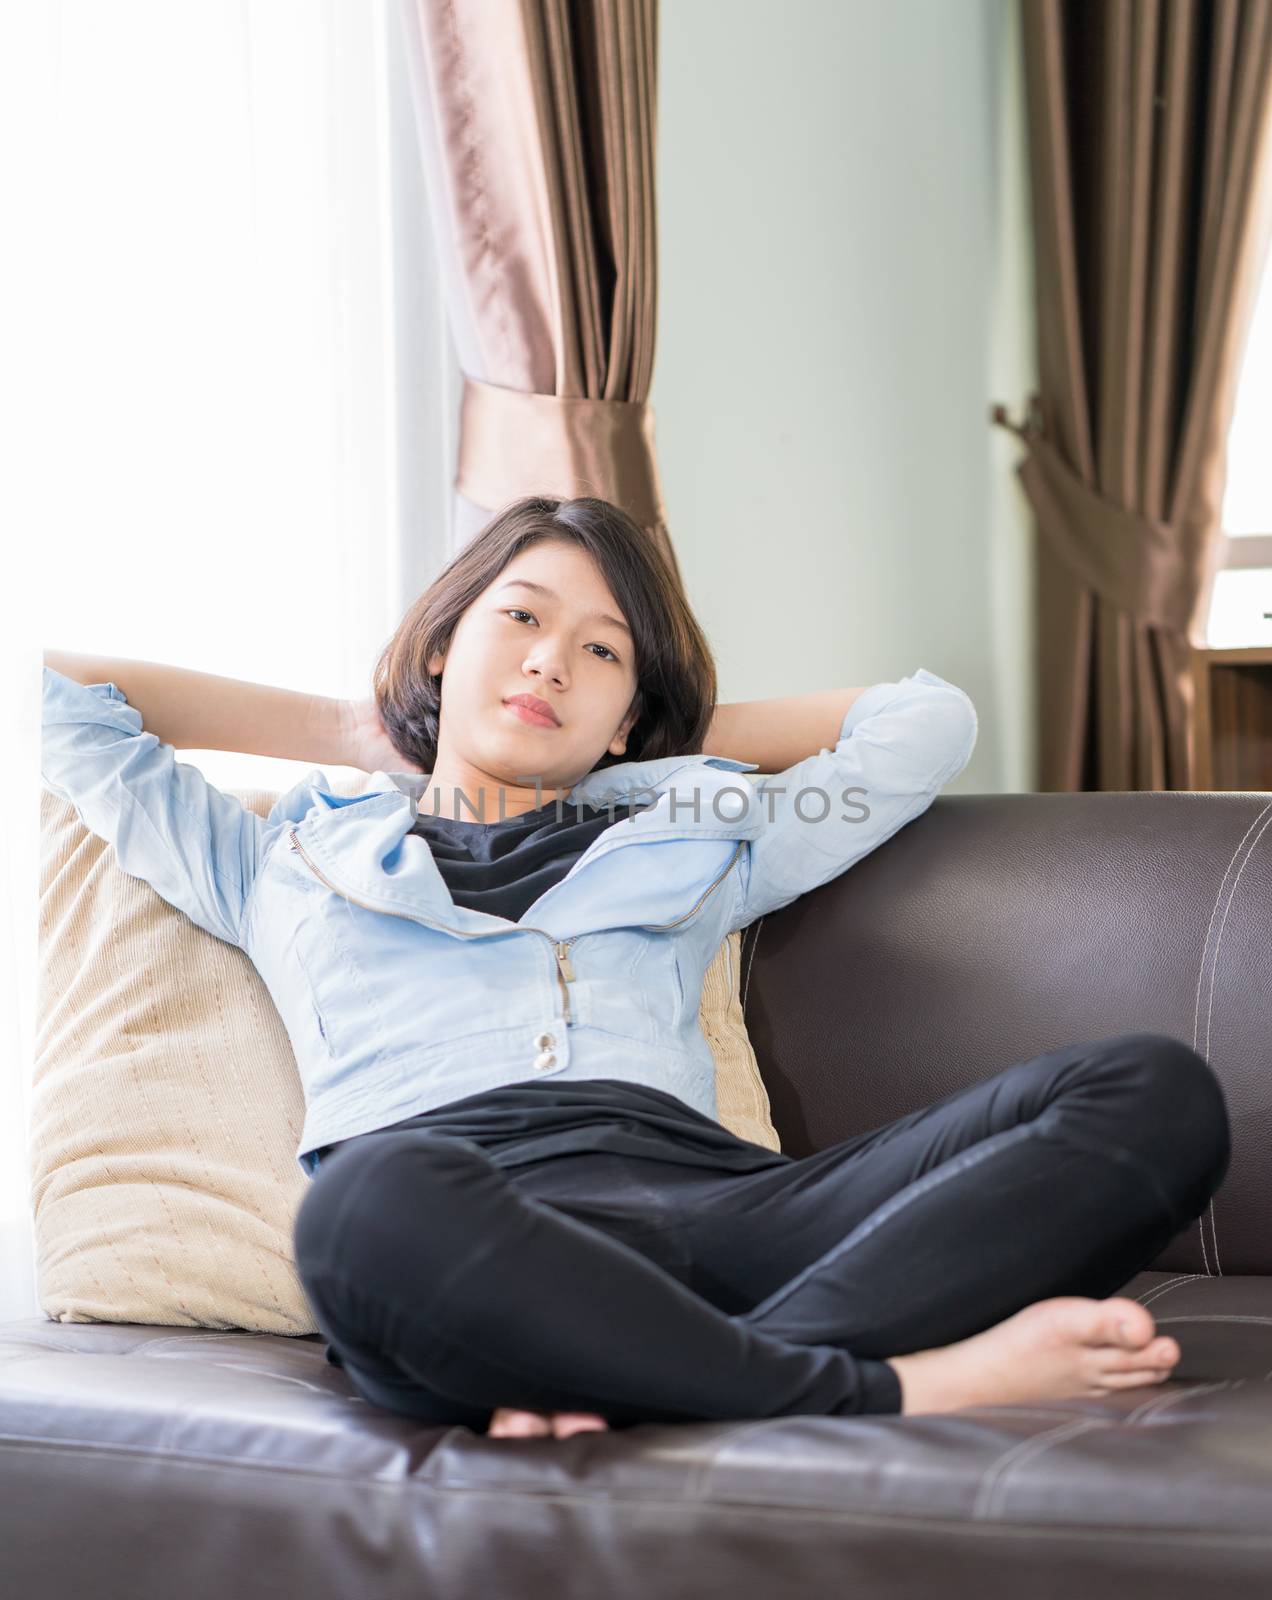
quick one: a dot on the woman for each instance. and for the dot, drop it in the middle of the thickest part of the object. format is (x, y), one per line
(582, 1244)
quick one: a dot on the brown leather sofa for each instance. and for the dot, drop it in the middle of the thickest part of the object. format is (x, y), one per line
(147, 1463)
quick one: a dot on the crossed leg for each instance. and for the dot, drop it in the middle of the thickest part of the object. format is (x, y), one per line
(792, 1285)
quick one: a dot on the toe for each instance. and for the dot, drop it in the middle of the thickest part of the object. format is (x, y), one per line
(564, 1423)
(510, 1424)
(1157, 1353)
(1122, 1322)
(1140, 1378)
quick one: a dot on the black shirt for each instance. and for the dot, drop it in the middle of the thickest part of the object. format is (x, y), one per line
(503, 866)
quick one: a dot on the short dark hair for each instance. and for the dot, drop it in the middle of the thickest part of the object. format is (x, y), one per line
(675, 672)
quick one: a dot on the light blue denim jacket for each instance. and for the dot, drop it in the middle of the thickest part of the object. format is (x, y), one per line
(395, 999)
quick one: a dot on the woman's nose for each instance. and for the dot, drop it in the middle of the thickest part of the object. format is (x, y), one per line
(547, 667)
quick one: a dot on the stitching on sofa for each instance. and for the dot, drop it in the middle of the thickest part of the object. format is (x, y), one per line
(1210, 999)
(1160, 1289)
(1201, 1237)
(193, 1339)
(198, 1336)
(750, 962)
(697, 1486)
(1049, 1414)
(1266, 812)
(993, 1481)
(733, 1433)
(956, 1523)
(282, 1377)
(1163, 1402)
(1210, 924)
(1218, 1316)
(1201, 973)
(990, 1492)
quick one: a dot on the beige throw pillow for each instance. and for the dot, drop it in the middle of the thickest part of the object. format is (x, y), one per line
(167, 1105)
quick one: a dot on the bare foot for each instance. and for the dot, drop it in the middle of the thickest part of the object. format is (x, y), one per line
(508, 1423)
(1066, 1348)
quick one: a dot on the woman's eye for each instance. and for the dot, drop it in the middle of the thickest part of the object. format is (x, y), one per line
(515, 611)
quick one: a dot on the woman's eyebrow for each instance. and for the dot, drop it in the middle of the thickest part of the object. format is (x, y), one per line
(538, 588)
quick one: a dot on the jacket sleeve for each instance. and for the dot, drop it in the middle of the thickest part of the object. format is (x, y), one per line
(899, 744)
(198, 848)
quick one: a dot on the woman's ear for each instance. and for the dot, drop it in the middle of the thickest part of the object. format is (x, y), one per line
(624, 728)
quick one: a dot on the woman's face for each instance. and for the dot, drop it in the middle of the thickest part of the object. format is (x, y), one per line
(569, 647)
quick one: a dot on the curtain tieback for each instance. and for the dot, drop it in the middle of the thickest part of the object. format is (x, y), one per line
(512, 443)
(1157, 572)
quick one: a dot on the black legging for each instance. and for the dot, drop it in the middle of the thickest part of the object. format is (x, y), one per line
(654, 1291)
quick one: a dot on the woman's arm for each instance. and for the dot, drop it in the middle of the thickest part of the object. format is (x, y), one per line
(204, 711)
(775, 734)
(901, 744)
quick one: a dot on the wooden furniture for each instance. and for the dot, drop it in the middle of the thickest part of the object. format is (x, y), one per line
(1234, 718)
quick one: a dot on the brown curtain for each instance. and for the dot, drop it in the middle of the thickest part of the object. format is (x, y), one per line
(1149, 126)
(541, 119)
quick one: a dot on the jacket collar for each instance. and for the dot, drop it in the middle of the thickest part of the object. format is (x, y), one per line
(378, 860)
(640, 781)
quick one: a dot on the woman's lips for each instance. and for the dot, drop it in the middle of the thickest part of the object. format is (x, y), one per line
(532, 717)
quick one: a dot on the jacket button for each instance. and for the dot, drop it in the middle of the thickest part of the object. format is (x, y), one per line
(545, 1039)
(544, 1061)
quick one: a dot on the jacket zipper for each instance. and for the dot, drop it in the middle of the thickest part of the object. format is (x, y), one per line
(560, 947)
(658, 927)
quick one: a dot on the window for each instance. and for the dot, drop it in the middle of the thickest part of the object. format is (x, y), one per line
(232, 438)
(1241, 604)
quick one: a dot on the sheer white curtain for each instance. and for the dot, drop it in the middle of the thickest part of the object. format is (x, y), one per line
(466, 517)
(235, 395)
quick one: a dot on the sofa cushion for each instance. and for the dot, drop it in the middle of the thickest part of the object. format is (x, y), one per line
(167, 1107)
(194, 1462)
